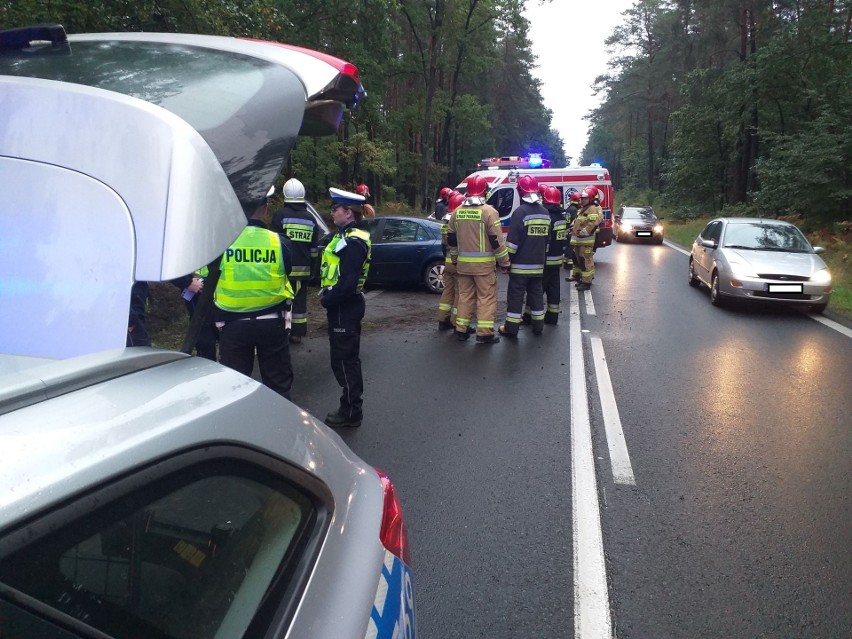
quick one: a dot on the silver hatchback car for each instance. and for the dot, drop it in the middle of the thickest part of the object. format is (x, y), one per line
(144, 493)
(759, 260)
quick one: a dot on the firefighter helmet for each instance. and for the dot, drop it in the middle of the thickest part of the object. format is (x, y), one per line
(528, 188)
(574, 197)
(363, 189)
(455, 201)
(476, 186)
(445, 194)
(552, 195)
(590, 192)
(294, 191)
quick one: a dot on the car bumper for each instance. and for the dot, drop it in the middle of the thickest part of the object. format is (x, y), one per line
(774, 291)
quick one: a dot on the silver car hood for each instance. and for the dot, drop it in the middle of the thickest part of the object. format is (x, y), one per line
(799, 264)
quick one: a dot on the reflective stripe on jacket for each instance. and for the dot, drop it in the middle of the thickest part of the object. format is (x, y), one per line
(330, 270)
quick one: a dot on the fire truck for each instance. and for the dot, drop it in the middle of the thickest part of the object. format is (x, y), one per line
(503, 192)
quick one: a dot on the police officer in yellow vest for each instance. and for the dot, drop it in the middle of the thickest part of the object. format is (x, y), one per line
(252, 301)
(583, 236)
(345, 264)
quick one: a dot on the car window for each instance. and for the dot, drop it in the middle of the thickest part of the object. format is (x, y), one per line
(188, 558)
(503, 200)
(400, 231)
(767, 237)
(712, 232)
(422, 234)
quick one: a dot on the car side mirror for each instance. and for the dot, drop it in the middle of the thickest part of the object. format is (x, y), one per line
(711, 244)
(819, 250)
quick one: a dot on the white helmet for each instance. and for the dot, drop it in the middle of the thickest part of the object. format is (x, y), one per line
(294, 191)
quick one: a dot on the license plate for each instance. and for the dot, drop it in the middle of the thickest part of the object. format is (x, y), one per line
(643, 233)
(785, 288)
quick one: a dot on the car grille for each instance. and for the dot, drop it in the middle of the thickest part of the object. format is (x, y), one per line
(783, 296)
(783, 277)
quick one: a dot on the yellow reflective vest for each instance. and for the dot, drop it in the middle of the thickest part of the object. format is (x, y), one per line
(253, 273)
(330, 270)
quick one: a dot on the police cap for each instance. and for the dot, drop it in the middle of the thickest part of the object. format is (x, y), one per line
(345, 198)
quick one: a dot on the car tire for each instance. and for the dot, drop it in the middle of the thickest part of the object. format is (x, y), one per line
(659, 240)
(433, 277)
(693, 281)
(716, 297)
(819, 308)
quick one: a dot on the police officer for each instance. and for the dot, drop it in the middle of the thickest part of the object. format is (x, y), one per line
(448, 306)
(345, 264)
(571, 215)
(583, 233)
(252, 300)
(295, 222)
(555, 253)
(529, 235)
(475, 241)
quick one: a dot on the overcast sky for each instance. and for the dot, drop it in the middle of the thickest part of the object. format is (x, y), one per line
(568, 40)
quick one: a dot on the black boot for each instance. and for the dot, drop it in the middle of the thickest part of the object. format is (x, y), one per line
(339, 420)
(445, 325)
(487, 339)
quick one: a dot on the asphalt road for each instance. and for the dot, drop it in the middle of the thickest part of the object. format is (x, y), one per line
(738, 428)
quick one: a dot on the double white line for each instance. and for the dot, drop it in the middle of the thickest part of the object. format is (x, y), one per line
(592, 616)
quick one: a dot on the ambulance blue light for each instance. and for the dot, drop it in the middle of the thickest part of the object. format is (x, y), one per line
(596, 165)
(535, 160)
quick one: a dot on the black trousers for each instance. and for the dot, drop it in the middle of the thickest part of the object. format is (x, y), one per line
(523, 288)
(299, 327)
(344, 336)
(552, 283)
(241, 339)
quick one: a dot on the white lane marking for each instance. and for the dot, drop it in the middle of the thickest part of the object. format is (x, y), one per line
(590, 303)
(592, 619)
(676, 247)
(837, 327)
(372, 294)
(619, 458)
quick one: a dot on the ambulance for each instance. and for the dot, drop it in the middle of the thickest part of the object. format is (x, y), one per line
(503, 192)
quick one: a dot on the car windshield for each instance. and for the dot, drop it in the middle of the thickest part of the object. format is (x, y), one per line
(760, 236)
(638, 214)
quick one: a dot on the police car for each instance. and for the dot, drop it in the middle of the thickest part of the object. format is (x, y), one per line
(146, 493)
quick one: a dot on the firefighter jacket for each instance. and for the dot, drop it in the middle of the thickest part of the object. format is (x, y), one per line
(345, 265)
(558, 235)
(571, 213)
(586, 224)
(445, 220)
(253, 278)
(475, 239)
(529, 235)
(440, 209)
(296, 224)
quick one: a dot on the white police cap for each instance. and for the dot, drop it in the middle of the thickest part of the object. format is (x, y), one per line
(346, 198)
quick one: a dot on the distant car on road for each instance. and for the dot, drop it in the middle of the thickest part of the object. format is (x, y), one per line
(759, 260)
(406, 251)
(640, 223)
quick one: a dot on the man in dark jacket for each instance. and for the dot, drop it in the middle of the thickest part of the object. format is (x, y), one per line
(527, 241)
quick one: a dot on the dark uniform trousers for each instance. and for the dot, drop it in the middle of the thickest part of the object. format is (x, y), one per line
(240, 338)
(524, 288)
(299, 324)
(552, 284)
(344, 334)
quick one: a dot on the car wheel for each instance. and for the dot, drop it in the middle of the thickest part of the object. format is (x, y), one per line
(433, 277)
(659, 240)
(818, 308)
(693, 281)
(716, 298)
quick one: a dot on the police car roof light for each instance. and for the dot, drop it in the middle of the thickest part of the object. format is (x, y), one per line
(393, 533)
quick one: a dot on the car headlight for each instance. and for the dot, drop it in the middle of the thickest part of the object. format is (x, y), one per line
(821, 277)
(626, 227)
(658, 228)
(741, 269)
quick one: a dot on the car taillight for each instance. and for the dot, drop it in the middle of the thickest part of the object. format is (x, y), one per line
(393, 534)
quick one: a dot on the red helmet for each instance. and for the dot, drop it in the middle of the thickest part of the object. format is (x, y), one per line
(476, 186)
(455, 201)
(552, 195)
(363, 189)
(445, 194)
(542, 188)
(574, 197)
(590, 192)
(527, 184)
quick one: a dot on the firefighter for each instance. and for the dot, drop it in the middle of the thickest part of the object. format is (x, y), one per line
(252, 300)
(555, 252)
(294, 222)
(441, 204)
(571, 215)
(345, 264)
(448, 306)
(475, 241)
(364, 191)
(529, 234)
(583, 233)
